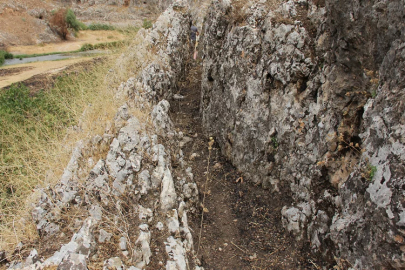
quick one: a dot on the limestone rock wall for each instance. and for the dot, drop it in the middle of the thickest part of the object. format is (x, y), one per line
(306, 98)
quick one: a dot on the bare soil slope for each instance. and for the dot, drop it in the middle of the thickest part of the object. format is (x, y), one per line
(23, 22)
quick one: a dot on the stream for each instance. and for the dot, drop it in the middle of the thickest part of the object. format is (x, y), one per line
(53, 57)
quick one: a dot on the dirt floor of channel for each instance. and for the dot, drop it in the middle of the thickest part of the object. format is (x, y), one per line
(241, 224)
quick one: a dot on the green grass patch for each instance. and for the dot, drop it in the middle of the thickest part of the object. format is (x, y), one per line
(129, 30)
(27, 120)
(147, 24)
(99, 26)
(18, 106)
(103, 46)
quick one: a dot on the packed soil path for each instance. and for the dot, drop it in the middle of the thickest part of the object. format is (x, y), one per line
(84, 37)
(241, 225)
(20, 73)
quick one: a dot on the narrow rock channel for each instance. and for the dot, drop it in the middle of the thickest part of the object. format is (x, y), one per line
(306, 105)
(241, 223)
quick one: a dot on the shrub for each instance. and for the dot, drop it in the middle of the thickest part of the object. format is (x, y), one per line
(8, 55)
(83, 26)
(87, 47)
(73, 23)
(59, 23)
(5, 55)
(64, 20)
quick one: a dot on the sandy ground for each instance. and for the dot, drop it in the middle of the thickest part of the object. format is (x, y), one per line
(88, 36)
(18, 73)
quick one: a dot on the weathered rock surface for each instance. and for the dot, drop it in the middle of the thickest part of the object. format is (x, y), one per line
(306, 98)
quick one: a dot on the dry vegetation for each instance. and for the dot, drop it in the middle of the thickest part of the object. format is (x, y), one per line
(35, 149)
(59, 23)
(38, 150)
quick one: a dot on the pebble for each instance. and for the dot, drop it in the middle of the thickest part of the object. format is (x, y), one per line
(123, 243)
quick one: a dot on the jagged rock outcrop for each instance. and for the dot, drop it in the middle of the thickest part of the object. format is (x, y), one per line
(306, 98)
(130, 211)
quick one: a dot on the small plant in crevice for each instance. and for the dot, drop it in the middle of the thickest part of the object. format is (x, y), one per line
(369, 172)
(374, 81)
(274, 142)
(349, 143)
(374, 93)
(343, 156)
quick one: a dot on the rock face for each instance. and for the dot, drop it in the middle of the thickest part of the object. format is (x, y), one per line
(306, 98)
(130, 211)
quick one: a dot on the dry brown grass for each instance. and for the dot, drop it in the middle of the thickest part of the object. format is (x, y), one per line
(43, 154)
